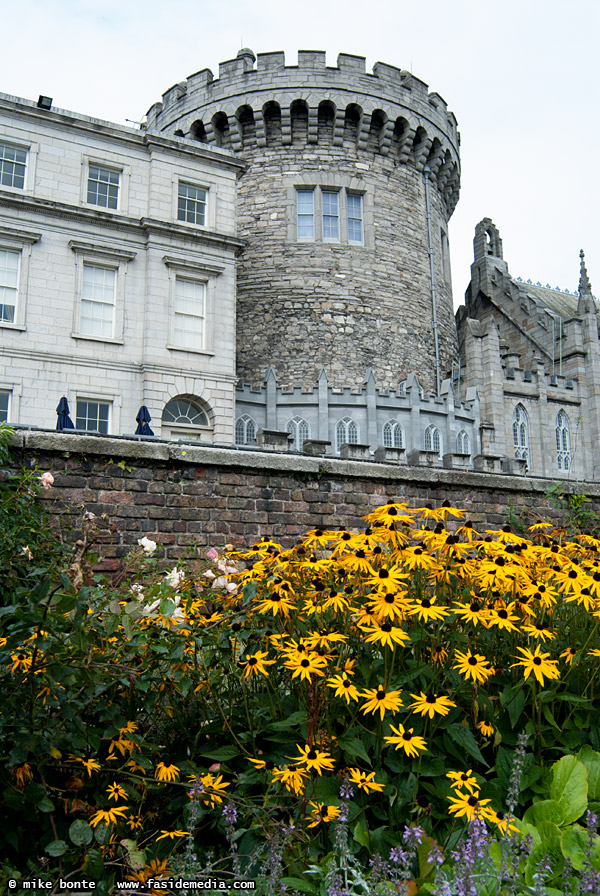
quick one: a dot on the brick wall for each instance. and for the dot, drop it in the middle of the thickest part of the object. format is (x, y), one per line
(186, 495)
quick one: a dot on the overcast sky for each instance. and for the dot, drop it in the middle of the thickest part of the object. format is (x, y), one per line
(521, 76)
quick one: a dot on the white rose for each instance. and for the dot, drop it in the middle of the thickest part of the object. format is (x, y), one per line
(148, 545)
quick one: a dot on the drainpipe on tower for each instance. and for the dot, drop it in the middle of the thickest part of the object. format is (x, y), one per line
(434, 322)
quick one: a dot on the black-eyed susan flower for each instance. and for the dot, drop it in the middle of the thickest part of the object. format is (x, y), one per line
(569, 654)
(467, 804)
(427, 609)
(313, 759)
(365, 781)
(256, 664)
(387, 578)
(343, 687)
(390, 605)
(322, 813)
(21, 775)
(539, 631)
(292, 777)
(135, 823)
(390, 513)
(430, 704)
(503, 822)
(439, 654)
(464, 779)
(90, 765)
(486, 729)
(116, 792)
(208, 788)
(503, 618)
(385, 634)
(474, 612)
(594, 651)
(108, 816)
(172, 835)
(538, 663)
(165, 772)
(404, 739)
(275, 604)
(304, 667)
(473, 666)
(380, 700)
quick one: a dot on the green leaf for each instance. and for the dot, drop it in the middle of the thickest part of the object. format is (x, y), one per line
(93, 864)
(295, 719)
(127, 626)
(569, 787)
(81, 833)
(549, 716)
(591, 760)
(573, 843)
(353, 748)
(545, 810)
(222, 755)
(167, 607)
(46, 805)
(361, 835)
(57, 848)
(111, 624)
(513, 700)
(137, 857)
(462, 736)
(296, 883)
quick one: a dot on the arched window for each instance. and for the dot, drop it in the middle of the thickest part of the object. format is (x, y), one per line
(245, 430)
(432, 439)
(462, 443)
(393, 436)
(299, 429)
(185, 417)
(563, 441)
(346, 431)
(521, 433)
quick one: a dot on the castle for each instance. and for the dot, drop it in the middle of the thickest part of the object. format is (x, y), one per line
(265, 262)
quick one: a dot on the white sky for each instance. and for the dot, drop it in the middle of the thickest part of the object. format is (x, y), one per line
(521, 76)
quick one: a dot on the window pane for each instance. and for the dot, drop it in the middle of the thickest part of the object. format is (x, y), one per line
(355, 228)
(188, 322)
(191, 204)
(306, 218)
(4, 400)
(9, 280)
(92, 416)
(331, 221)
(12, 166)
(103, 187)
(97, 301)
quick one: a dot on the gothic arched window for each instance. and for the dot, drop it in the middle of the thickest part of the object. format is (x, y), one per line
(346, 431)
(432, 440)
(462, 443)
(245, 430)
(298, 428)
(563, 441)
(393, 436)
(521, 433)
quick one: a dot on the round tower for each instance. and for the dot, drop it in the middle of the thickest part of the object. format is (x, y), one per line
(352, 178)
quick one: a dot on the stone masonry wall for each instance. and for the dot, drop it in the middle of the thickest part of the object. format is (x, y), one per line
(184, 496)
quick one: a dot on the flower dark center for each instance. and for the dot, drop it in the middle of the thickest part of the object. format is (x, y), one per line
(392, 512)
(407, 736)
(475, 607)
(472, 801)
(380, 694)
(305, 663)
(252, 661)
(389, 599)
(472, 661)
(426, 603)
(312, 755)
(502, 614)
(346, 683)
(537, 661)
(572, 573)
(359, 554)
(431, 698)
(384, 574)
(386, 627)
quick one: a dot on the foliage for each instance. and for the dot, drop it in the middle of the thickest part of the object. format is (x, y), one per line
(325, 716)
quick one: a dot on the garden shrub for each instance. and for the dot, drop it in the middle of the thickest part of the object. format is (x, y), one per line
(325, 718)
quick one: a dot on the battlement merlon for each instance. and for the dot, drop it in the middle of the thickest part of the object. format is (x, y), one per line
(240, 76)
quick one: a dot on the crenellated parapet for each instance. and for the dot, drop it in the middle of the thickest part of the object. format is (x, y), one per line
(259, 102)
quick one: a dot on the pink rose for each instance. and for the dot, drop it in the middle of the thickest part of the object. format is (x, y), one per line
(47, 480)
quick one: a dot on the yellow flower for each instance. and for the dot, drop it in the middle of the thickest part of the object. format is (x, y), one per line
(385, 578)
(380, 699)
(90, 764)
(116, 792)
(108, 816)
(166, 772)
(473, 666)
(504, 822)
(134, 822)
(474, 612)
(22, 774)
(255, 664)
(406, 740)
(595, 651)
(386, 634)
(538, 663)
(539, 631)
(305, 666)
(464, 779)
(364, 781)
(209, 789)
(427, 609)
(486, 729)
(429, 704)
(468, 804)
(439, 654)
(275, 604)
(257, 763)
(21, 661)
(172, 834)
(292, 777)
(322, 813)
(504, 619)
(569, 654)
(313, 759)
(343, 687)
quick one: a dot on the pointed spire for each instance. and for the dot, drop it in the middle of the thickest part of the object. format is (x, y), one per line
(585, 287)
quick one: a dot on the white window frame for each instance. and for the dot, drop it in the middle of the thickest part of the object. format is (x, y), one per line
(112, 172)
(20, 242)
(392, 429)
(305, 238)
(113, 163)
(563, 441)
(190, 179)
(328, 217)
(346, 432)
(360, 197)
(294, 428)
(463, 443)
(99, 401)
(245, 426)
(197, 202)
(88, 254)
(520, 428)
(430, 436)
(31, 150)
(192, 316)
(186, 431)
(319, 187)
(8, 393)
(206, 274)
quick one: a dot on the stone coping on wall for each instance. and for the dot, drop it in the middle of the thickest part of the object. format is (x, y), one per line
(264, 461)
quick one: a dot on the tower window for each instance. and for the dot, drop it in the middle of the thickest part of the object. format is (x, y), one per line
(306, 214)
(521, 434)
(354, 205)
(331, 215)
(563, 441)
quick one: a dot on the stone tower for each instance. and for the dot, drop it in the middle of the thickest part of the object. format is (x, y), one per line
(344, 208)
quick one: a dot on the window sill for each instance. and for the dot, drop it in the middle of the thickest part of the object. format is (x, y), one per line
(111, 340)
(7, 325)
(194, 351)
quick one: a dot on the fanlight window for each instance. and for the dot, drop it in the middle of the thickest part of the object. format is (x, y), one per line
(432, 439)
(245, 430)
(346, 431)
(298, 428)
(462, 443)
(563, 441)
(521, 433)
(184, 417)
(393, 437)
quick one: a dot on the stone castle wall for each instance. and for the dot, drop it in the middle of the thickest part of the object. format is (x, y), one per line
(304, 303)
(183, 495)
